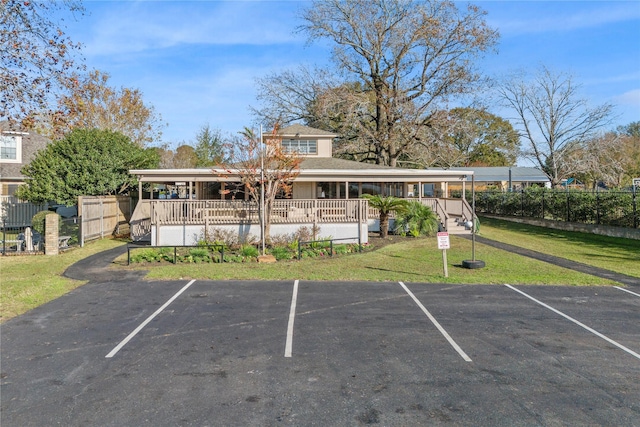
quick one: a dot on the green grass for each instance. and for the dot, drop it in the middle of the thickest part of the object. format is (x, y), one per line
(29, 281)
(412, 260)
(611, 253)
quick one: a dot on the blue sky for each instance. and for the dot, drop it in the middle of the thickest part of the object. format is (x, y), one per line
(196, 61)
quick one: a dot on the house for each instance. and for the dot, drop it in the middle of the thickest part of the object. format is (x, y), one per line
(17, 149)
(183, 204)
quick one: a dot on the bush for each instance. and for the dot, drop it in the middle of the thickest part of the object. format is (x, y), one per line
(416, 220)
(249, 251)
(282, 253)
(199, 255)
(38, 221)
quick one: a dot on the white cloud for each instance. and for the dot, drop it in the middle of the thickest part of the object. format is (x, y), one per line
(126, 27)
(631, 97)
(567, 17)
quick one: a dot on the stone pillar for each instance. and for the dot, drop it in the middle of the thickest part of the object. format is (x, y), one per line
(51, 234)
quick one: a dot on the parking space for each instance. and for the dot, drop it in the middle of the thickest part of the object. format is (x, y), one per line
(314, 353)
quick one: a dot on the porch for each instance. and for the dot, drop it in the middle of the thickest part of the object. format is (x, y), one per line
(183, 221)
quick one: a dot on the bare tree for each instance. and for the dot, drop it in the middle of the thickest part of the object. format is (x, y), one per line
(552, 119)
(611, 158)
(398, 60)
(37, 58)
(264, 168)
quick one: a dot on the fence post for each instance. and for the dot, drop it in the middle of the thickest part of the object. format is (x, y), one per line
(635, 208)
(81, 219)
(597, 205)
(101, 219)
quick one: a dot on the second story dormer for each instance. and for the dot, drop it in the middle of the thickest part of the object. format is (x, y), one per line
(307, 141)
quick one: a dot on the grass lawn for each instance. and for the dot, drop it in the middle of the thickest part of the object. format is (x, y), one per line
(409, 260)
(611, 253)
(31, 280)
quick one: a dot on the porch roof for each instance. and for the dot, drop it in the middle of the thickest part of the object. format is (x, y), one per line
(313, 170)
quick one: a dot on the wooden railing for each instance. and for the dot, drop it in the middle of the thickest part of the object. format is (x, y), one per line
(212, 212)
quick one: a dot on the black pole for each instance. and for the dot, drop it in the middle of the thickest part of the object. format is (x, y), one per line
(635, 208)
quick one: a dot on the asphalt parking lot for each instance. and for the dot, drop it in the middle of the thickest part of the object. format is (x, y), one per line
(127, 352)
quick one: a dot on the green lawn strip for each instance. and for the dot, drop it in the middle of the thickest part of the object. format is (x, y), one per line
(611, 253)
(416, 260)
(29, 281)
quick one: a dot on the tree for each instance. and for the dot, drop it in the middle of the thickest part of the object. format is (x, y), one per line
(209, 147)
(552, 119)
(611, 158)
(185, 157)
(406, 57)
(85, 163)
(385, 205)
(467, 136)
(93, 103)
(37, 58)
(262, 166)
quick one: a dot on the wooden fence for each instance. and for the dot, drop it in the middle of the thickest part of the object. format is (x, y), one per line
(102, 216)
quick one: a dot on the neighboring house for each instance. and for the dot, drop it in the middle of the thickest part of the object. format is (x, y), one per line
(17, 149)
(185, 203)
(505, 177)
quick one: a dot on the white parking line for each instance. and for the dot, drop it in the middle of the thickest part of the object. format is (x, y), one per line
(435, 322)
(292, 314)
(149, 319)
(593, 331)
(626, 290)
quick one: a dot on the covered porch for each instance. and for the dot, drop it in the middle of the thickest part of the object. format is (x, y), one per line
(182, 205)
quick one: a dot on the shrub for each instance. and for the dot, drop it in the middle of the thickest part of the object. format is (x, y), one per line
(416, 220)
(200, 255)
(146, 255)
(38, 221)
(249, 251)
(282, 253)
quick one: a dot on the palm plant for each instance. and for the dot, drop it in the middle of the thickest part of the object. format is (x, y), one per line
(417, 219)
(385, 205)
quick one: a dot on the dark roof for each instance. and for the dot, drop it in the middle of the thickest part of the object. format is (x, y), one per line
(31, 144)
(297, 129)
(332, 163)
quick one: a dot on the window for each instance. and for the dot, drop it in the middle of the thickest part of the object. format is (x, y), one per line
(300, 146)
(10, 146)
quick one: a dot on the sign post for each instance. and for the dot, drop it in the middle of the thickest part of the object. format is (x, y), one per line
(443, 243)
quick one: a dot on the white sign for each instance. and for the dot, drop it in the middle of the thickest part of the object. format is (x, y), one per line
(636, 182)
(443, 240)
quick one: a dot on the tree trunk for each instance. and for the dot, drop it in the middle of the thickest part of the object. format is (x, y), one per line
(384, 224)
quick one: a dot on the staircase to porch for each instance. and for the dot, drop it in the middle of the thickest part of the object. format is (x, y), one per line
(453, 214)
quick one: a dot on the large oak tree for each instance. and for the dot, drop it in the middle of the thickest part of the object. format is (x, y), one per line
(399, 61)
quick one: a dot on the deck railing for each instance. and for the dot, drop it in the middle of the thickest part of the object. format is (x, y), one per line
(214, 212)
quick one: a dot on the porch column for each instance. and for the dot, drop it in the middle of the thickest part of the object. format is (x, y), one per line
(420, 190)
(464, 193)
(346, 189)
(139, 190)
